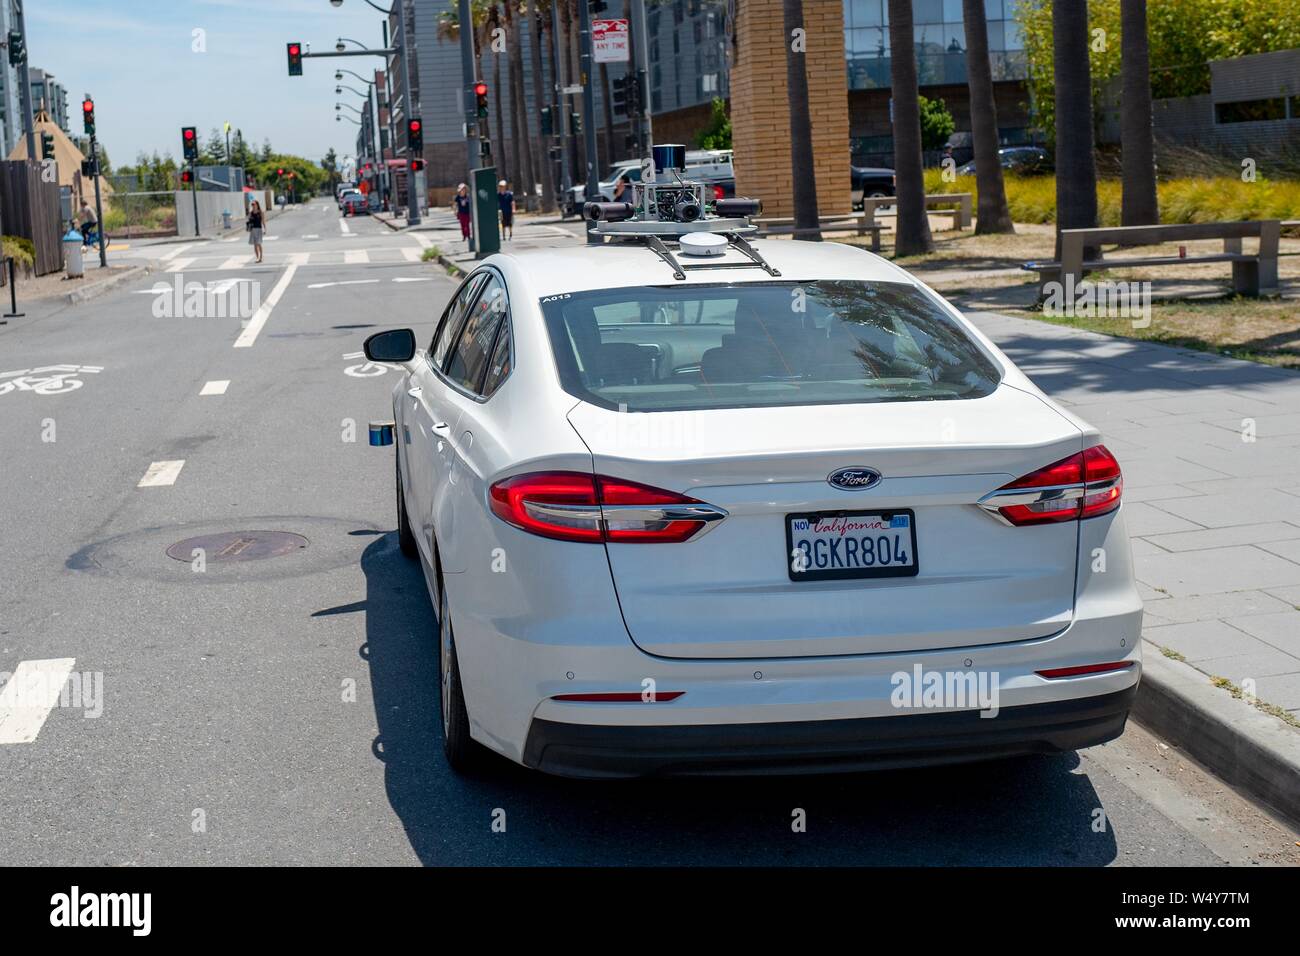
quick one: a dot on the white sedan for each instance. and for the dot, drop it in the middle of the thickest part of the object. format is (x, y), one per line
(779, 510)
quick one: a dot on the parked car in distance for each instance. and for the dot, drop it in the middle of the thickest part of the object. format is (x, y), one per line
(354, 204)
(719, 180)
(1025, 160)
(343, 196)
(870, 181)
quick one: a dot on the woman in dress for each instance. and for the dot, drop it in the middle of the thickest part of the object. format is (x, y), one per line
(254, 226)
(461, 201)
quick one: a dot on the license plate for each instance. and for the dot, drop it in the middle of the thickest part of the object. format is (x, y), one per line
(834, 545)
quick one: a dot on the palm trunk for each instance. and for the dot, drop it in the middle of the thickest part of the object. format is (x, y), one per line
(993, 214)
(1139, 206)
(913, 236)
(575, 59)
(542, 92)
(516, 175)
(807, 222)
(1076, 167)
(499, 154)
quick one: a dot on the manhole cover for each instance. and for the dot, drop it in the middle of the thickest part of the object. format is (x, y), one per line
(238, 546)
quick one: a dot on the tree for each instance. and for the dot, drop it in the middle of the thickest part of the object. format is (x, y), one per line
(1076, 167)
(717, 135)
(544, 168)
(993, 214)
(525, 176)
(937, 123)
(330, 163)
(913, 236)
(807, 221)
(213, 152)
(1139, 205)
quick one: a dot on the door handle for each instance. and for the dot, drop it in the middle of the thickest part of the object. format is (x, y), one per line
(441, 428)
(414, 391)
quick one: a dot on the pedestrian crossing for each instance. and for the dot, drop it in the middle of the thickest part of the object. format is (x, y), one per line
(384, 255)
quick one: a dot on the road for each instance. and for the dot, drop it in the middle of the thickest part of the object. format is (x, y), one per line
(284, 710)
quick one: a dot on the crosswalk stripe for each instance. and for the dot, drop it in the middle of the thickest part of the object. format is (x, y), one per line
(173, 253)
(179, 264)
(28, 697)
(299, 258)
(161, 473)
(236, 262)
(411, 255)
(354, 257)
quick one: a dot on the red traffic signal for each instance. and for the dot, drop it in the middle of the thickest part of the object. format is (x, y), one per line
(481, 103)
(415, 135)
(480, 89)
(88, 115)
(186, 177)
(417, 165)
(190, 143)
(295, 59)
(279, 172)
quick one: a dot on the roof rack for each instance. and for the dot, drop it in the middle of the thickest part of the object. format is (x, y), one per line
(654, 242)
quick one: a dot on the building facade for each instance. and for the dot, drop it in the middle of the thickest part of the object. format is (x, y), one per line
(49, 94)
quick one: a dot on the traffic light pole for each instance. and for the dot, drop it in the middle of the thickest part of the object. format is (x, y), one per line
(408, 111)
(641, 61)
(99, 205)
(589, 117)
(194, 192)
(561, 122)
(473, 146)
(25, 83)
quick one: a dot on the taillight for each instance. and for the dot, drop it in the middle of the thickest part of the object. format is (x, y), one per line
(573, 506)
(717, 193)
(1084, 485)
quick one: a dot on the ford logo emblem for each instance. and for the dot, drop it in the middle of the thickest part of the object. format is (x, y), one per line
(854, 479)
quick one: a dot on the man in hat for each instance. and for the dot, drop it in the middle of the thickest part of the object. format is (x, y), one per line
(507, 200)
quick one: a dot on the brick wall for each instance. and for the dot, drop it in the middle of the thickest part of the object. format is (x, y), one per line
(760, 114)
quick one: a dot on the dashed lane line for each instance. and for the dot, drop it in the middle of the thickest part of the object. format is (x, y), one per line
(161, 474)
(343, 227)
(215, 388)
(28, 697)
(255, 324)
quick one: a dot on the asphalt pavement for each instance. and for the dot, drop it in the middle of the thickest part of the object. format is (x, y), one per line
(284, 710)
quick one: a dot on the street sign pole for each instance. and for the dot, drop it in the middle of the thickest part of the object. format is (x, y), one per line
(470, 101)
(589, 116)
(641, 61)
(194, 192)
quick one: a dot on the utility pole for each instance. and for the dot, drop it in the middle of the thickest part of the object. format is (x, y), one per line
(589, 115)
(194, 193)
(25, 83)
(641, 66)
(469, 79)
(408, 104)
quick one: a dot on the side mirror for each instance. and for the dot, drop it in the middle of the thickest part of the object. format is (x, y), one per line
(395, 345)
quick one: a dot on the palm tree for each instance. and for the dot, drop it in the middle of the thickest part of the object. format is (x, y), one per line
(913, 236)
(807, 222)
(1139, 205)
(1076, 166)
(520, 174)
(543, 99)
(993, 214)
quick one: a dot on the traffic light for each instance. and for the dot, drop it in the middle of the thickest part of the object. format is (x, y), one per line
(417, 165)
(295, 59)
(621, 89)
(548, 126)
(88, 116)
(187, 177)
(485, 147)
(87, 168)
(575, 124)
(17, 50)
(480, 96)
(190, 143)
(47, 146)
(415, 135)
(279, 173)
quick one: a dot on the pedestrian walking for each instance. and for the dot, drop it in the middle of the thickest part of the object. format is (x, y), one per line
(507, 201)
(461, 203)
(254, 226)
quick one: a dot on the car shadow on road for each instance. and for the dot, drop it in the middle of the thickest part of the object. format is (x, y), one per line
(1032, 811)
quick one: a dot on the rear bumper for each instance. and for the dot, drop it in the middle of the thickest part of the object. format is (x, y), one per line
(825, 746)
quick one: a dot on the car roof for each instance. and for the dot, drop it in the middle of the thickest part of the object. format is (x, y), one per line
(622, 264)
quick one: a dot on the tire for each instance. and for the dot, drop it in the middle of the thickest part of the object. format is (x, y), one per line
(405, 537)
(462, 753)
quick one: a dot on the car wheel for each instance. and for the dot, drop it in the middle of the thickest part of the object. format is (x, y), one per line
(405, 537)
(461, 751)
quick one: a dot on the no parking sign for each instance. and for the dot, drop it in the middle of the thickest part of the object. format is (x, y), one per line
(609, 41)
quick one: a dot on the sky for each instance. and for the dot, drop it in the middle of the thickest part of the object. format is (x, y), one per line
(138, 60)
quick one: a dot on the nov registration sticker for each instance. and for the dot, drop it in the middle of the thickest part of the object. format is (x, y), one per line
(835, 545)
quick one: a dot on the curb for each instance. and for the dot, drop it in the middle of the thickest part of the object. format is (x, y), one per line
(104, 285)
(450, 266)
(1249, 749)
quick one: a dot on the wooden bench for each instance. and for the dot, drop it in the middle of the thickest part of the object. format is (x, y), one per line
(961, 215)
(861, 222)
(1251, 272)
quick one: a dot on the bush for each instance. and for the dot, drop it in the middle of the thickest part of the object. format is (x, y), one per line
(1187, 199)
(20, 250)
(937, 123)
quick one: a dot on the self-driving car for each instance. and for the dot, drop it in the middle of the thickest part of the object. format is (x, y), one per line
(693, 503)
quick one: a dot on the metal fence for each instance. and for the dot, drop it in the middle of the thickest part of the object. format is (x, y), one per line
(135, 214)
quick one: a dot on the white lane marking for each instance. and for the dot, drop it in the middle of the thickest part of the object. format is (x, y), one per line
(173, 253)
(326, 285)
(422, 240)
(343, 225)
(249, 335)
(215, 388)
(231, 239)
(356, 257)
(312, 236)
(235, 262)
(180, 264)
(412, 255)
(28, 697)
(408, 279)
(161, 473)
(270, 238)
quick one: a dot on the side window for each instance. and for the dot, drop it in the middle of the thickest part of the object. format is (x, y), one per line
(447, 329)
(499, 367)
(469, 360)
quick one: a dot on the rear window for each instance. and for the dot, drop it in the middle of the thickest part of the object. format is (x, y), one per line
(649, 349)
